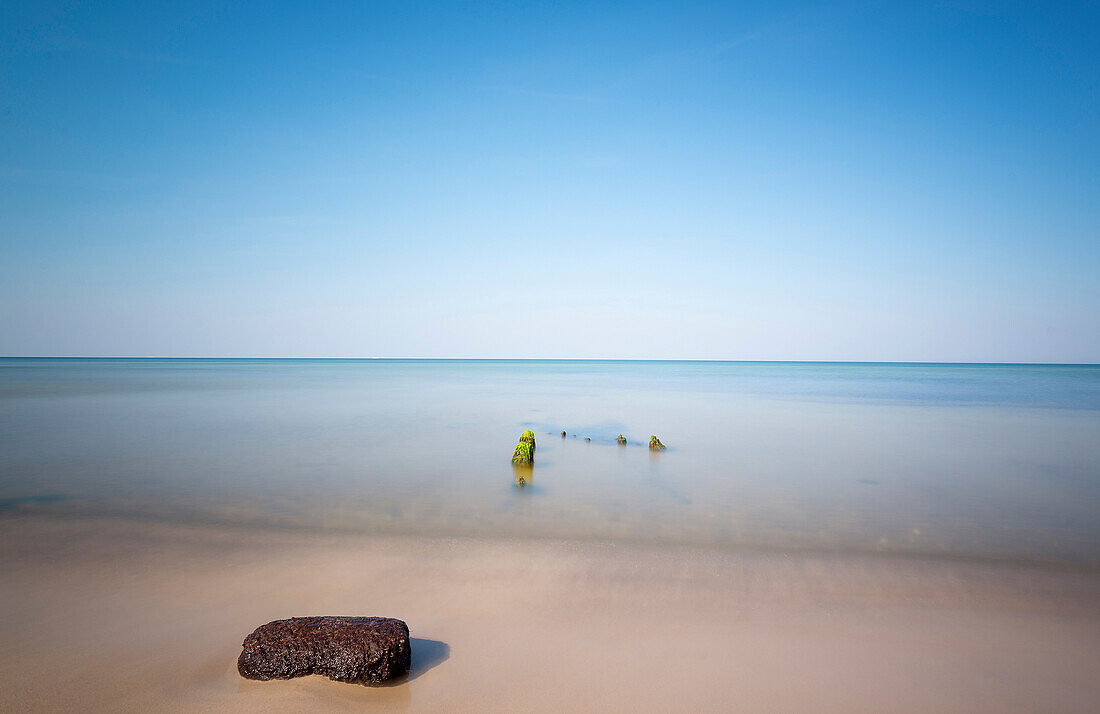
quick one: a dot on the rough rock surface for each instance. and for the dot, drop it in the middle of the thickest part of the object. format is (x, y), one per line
(528, 436)
(655, 444)
(621, 439)
(363, 650)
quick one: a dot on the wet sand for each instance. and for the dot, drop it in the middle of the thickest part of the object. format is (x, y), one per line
(130, 616)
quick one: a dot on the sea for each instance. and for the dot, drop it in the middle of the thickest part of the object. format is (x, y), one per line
(989, 462)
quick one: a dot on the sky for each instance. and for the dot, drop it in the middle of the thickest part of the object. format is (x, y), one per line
(788, 181)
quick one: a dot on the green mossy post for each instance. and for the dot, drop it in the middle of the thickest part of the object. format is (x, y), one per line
(655, 444)
(621, 439)
(524, 454)
(528, 437)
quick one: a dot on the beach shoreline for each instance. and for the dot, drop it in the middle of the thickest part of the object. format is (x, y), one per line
(116, 614)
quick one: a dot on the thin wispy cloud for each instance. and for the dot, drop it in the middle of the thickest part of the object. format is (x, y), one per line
(543, 94)
(139, 56)
(375, 77)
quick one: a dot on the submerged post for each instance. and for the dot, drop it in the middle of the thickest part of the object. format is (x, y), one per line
(523, 458)
(523, 474)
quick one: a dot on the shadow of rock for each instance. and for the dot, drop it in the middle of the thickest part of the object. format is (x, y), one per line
(427, 655)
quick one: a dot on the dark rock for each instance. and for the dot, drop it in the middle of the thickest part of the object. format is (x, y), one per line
(563, 435)
(587, 438)
(621, 439)
(655, 444)
(363, 650)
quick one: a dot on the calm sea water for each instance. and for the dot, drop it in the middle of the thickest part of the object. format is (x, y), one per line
(986, 461)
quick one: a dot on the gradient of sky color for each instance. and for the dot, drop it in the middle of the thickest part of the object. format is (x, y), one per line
(848, 181)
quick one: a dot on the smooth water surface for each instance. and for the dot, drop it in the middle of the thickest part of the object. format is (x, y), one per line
(987, 461)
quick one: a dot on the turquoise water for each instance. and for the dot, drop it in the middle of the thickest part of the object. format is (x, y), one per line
(977, 461)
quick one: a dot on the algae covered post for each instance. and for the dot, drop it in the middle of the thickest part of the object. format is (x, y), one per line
(655, 444)
(524, 453)
(525, 449)
(523, 458)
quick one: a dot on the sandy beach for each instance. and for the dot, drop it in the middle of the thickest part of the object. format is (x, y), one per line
(129, 616)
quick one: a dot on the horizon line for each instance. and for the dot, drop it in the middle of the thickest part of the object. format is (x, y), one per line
(556, 359)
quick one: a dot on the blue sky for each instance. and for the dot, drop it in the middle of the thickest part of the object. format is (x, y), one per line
(850, 181)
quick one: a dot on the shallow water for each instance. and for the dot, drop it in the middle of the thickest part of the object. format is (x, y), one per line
(986, 461)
